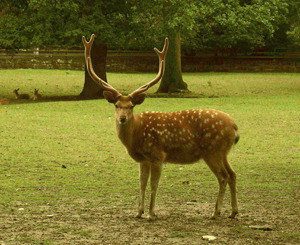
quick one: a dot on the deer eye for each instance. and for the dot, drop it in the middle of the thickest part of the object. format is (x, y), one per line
(116, 106)
(131, 107)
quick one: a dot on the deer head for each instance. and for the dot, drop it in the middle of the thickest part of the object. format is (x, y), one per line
(124, 104)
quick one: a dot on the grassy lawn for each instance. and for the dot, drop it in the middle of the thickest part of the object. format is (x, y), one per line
(65, 178)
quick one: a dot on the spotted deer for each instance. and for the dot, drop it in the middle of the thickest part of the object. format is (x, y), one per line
(182, 137)
(36, 95)
(20, 96)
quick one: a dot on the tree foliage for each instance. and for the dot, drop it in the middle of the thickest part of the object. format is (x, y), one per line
(123, 24)
(292, 26)
(60, 23)
(241, 24)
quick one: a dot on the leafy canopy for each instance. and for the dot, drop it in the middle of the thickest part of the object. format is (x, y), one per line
(136, 24)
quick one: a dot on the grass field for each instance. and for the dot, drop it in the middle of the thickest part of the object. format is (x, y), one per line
(66, 179)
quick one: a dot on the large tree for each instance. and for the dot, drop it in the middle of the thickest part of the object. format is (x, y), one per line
(172, 80)
(107, 19)
(218, 24)
(123, 24)
(62, 23)
(172, 18)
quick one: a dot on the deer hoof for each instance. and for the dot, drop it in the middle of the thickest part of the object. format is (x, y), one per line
(152, 217)
(139, 215)
(233, 214)
(215, 215)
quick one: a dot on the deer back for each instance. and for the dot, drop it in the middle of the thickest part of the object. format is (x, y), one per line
(183, 136)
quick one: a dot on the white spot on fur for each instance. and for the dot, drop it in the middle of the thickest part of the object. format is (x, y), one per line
(207, 135)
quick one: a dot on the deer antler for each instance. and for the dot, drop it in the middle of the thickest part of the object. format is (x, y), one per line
(89, 66)
(161, 56)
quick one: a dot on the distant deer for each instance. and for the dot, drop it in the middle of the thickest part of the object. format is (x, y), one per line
(153, 138)
(36, 95)
(20, 96)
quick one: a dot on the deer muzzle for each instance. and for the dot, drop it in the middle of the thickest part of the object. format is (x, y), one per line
(122, 119)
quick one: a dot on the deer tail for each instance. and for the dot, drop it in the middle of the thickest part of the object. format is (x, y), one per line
(237, 135)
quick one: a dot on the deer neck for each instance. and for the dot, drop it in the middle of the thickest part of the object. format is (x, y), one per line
(126, 131)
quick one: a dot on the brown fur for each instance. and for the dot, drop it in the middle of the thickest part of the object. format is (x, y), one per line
(20, 96)
(153, 138)
(36, 95)
(183, 137)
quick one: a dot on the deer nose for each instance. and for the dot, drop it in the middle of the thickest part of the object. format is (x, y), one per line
(122, 119)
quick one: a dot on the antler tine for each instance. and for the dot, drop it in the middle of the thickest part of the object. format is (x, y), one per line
(161, 56)
(89, 66)
(88, 46)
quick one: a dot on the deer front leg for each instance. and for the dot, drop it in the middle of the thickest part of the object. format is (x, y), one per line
(156, 169)
(144, 176)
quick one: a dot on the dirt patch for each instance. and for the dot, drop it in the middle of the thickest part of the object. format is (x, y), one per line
(4, 101)
(177, 223)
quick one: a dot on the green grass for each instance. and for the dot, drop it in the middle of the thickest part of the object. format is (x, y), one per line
(94, 198)
(70, 83)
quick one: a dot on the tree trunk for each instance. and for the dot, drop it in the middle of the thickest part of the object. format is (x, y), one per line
(92, 90)
(172, 79)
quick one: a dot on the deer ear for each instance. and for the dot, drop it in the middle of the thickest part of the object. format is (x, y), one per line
(109, 96)
(138, 98)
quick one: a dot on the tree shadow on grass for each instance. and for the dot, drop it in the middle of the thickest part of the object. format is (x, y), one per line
(44, 99)
(7, 101)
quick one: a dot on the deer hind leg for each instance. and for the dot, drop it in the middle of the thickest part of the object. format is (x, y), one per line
(144, 176)
(156, 169)
(232, 185)
(216, 165)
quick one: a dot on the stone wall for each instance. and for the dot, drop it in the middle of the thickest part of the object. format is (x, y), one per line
(146, 62)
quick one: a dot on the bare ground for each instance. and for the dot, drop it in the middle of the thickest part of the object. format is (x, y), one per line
(177, 223)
